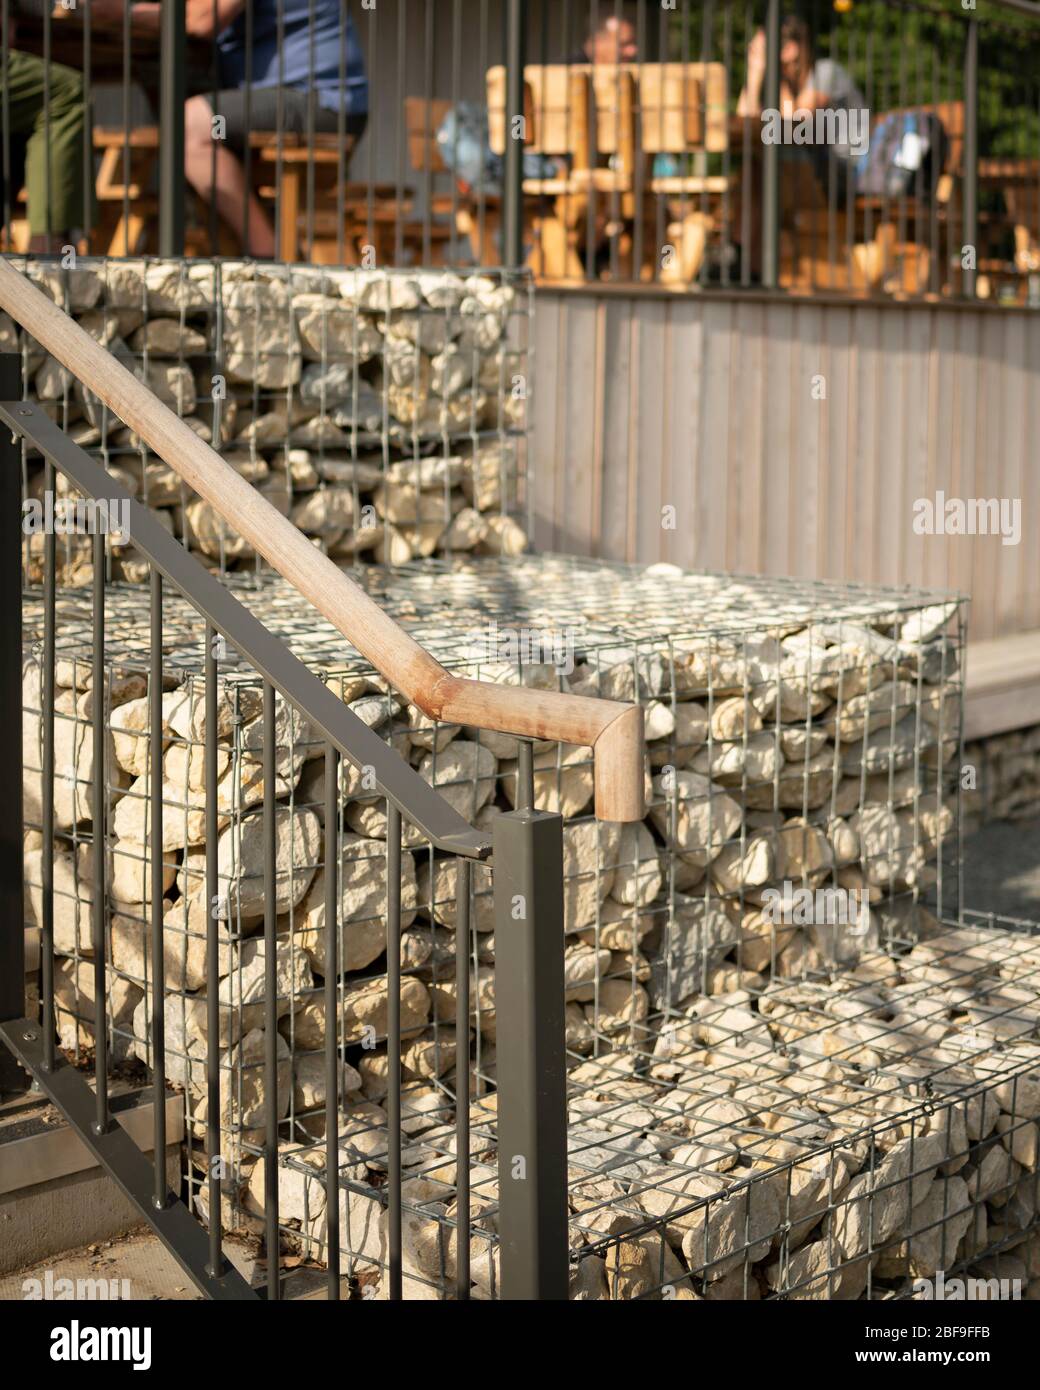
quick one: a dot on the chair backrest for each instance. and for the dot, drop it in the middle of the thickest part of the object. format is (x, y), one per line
(678, 107)
(423, 119)
(951, 114)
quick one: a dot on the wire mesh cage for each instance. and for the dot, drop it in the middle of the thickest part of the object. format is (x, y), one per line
(385, 412)
(758, 988)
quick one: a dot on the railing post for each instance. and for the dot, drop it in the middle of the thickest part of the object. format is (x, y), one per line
(532, 1075)
(771, 155)
(513, 173)
(971, 155)
(12, 909)
(171, 129)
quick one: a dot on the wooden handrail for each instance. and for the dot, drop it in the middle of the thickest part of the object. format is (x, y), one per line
(613, 730)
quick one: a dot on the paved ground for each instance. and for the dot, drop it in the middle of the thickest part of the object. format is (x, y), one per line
(150, 1270)
(1002, 869)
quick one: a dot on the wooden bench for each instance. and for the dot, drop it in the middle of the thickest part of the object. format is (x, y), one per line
(280, 169)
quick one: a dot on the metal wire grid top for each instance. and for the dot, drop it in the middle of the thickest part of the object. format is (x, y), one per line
(769, 1105)
(600, 604)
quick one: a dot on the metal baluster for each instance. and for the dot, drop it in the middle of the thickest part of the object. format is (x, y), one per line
(312, 101)
(341, 151)
(513, 174)
(97, 934)
(971, 154)
(393, 1041)
(47, 810)
(88, 131)
(332, 1068)
(401, 67)
(525, 775)
(171, 129)
(155, 842)
(48, 158)
(270, 1001)
(532, 1076)
(247, 119)
(5, 110)
(216, 1255)
(12, 907)
(462, 1203)
(771, 155)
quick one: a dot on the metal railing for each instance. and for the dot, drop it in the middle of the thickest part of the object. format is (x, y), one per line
(525, 852)
(597, 140)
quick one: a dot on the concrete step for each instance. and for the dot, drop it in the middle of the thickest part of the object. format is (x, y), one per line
(54, 1196)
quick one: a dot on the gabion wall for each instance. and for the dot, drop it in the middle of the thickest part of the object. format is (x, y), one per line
(802, 758)
(383, 411)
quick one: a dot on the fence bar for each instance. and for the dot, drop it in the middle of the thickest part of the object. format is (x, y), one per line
(171, 128)
(513, 173)
(463, 874)
(270, 1000)
(216, 1255)
(525, 775)
(332, 1068)
(155, 845)
(99, 820)
(971, 153)
(393, 1042)
(771, 155)
(532, 1098)
(12, 913)
(50, 570)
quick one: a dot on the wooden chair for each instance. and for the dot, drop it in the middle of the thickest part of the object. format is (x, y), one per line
(604, 122)
(453, 216)
(127, 206)
(894, 238)
(281, 170)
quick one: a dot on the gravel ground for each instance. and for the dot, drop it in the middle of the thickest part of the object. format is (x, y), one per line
(1002, 869)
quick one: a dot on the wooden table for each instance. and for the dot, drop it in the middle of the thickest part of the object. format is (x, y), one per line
(603, 124)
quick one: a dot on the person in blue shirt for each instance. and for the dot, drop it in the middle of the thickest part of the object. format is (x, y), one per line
(290, 65)
(301, 70)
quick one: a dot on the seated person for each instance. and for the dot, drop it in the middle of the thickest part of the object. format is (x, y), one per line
(276, 86)
(612, 41)
(47, 146)
(288, 86)
(807, 84)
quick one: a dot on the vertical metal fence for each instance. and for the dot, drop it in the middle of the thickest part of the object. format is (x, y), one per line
(528, 871)
(595, 140)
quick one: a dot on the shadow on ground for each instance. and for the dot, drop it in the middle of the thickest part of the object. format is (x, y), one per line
(1002, 869)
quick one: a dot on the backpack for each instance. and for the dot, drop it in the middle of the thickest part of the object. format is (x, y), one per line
(464, 144)
(906, 156)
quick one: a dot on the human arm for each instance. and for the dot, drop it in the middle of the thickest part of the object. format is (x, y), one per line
(749, 102)
(202, 18)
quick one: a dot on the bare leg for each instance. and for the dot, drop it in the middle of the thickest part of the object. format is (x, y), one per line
(217, 176)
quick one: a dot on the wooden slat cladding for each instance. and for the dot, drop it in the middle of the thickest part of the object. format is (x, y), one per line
(790, 437)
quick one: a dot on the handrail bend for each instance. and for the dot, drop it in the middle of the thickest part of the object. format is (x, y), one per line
(612, 729)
